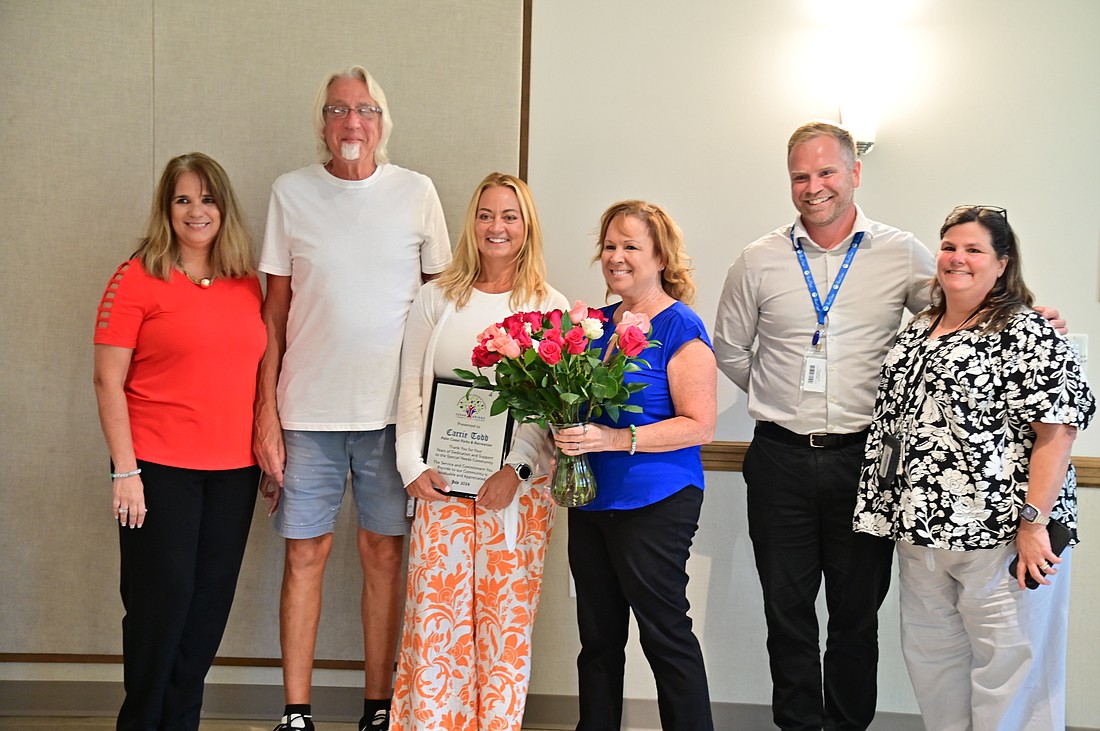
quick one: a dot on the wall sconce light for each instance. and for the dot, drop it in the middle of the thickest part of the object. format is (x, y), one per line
(860, 119)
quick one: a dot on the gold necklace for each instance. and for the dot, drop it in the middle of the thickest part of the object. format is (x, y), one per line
(205, 282)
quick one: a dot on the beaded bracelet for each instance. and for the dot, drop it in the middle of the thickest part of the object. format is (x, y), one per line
(120, 475)
(633, 439)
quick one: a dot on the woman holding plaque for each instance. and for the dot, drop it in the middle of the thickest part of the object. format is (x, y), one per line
(628, 548)
(475, 564)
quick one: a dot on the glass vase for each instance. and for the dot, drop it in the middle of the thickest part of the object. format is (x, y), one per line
(574, 484)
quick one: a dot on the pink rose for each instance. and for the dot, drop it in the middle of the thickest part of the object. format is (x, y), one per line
(632, 341)
(554, 336)
(575, 341)
(631, 319)
(504, 344)
(482, 358)
(579, 312)
(550, 352)
(554, 316)
(487, 334)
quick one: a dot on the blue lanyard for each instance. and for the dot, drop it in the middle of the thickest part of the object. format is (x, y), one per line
(822, 310)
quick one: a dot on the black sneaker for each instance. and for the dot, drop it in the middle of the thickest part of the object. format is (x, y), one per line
(295, 722)
(380, 722)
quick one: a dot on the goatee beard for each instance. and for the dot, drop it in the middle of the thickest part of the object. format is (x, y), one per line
(350, 151)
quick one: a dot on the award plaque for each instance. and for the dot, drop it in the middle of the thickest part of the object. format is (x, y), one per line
(462, 442)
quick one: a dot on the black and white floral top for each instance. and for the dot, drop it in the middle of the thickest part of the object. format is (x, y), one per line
(962, 405)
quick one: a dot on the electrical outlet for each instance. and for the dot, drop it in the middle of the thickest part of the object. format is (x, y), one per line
(1080, 344)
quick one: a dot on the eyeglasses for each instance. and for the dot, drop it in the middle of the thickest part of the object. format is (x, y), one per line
(365, 111)
(1002, 212)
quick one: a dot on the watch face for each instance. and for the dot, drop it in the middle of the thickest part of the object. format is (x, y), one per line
(523, 471)
(1029, 513)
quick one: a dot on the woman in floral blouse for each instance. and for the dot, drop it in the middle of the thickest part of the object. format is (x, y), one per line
(967, 459)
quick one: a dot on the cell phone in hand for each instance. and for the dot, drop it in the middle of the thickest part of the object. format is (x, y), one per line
(456, 493)
(1060, 537)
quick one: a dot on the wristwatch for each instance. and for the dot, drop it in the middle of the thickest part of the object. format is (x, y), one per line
(1032, 514)
(523, 471)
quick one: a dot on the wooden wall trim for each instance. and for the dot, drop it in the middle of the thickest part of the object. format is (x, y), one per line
(729, 456)
(525, 93)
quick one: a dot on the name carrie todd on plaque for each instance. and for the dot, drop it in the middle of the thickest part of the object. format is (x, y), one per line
(463, 441)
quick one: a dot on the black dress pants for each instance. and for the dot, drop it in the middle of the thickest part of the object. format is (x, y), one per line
(179, 573)
(800, 503)
(625, 560)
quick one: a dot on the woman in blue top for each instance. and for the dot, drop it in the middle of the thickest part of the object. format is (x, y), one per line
(628, 549)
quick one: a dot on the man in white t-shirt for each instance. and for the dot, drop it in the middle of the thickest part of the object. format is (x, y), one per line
(348, 243)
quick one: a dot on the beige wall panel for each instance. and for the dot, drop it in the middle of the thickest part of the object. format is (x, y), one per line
(95, 98)
(75, 107)
(237, 80)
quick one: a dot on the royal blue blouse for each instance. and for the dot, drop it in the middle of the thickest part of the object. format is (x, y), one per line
(625, 481)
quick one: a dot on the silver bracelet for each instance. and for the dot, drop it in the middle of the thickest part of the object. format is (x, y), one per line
(120, 475)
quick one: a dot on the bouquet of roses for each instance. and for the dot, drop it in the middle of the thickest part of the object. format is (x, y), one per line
(547, 370)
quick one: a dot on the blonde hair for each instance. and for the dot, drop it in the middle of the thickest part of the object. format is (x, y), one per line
(354, 72)
(668, 244)
(811, 130)
(231, 254)
(529, 284)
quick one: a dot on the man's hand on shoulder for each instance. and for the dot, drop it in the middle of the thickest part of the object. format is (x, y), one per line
(1054, 318)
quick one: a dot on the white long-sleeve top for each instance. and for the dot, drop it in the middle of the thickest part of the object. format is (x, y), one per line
(438, 339)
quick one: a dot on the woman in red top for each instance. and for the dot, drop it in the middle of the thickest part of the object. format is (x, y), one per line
(178, 340)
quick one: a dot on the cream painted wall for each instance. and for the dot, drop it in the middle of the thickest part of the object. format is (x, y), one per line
(690, 105)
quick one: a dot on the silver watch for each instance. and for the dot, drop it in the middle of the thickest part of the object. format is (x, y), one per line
(1032, 514)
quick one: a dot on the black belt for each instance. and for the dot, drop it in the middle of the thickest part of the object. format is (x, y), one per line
(777, 433)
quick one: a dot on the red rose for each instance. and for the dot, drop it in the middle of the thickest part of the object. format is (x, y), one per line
(595, 314)
(550, 352)
(534, 319)
(513, 324)
(554, 316)
(482, 358)
(632, 341)
(575, 341)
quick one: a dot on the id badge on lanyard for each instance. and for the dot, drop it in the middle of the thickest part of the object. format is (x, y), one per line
(814, 368)
(815, 363)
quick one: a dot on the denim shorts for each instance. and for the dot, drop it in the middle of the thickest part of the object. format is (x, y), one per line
(317, 466)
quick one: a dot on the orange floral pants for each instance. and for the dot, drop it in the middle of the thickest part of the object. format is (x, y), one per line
(465, 659)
